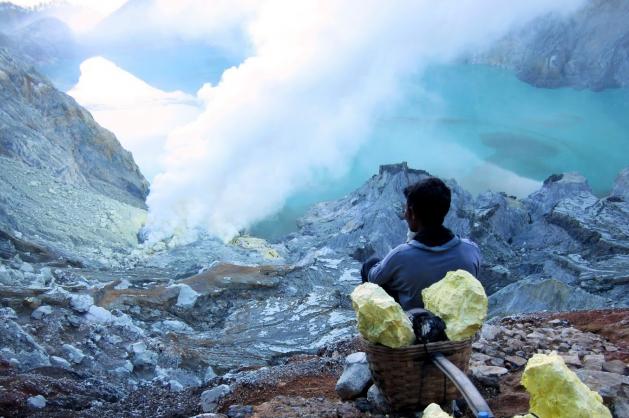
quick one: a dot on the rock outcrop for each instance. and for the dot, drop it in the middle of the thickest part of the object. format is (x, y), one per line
(68, 190)
(586, 49)
(46, 129)
(561, 232)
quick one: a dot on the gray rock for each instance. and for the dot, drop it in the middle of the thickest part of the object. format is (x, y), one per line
(36, 402)
(583, 49)
(74, 354)
(138, 347)
(41, 312)
(209, 374)
(187, 297)
(534, 295)
(355, 379)
(572, 360)
(145, 358)
(593, 361)
(81, 303)
(20, 343)
(358, 357)
(98, 314)
(175, 386)
(240, 411)
(516, 361)
(27, 268)
(489, 375)
(377, 399)
(621, 408)
(211, 397)
(607, 384)
(59, 362)
(615, 366)
(490, 332)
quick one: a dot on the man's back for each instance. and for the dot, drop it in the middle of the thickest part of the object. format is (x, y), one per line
(413, 266)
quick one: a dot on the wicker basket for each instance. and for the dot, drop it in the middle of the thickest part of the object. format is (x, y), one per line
(407, 377)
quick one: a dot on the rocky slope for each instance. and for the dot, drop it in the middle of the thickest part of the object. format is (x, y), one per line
(67, 186)
(168, 319)
(587, 49)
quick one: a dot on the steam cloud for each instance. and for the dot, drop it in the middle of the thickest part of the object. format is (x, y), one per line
(302, 104)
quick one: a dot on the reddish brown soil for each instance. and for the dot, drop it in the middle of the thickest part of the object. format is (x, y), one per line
(612, 324)
(316, 386)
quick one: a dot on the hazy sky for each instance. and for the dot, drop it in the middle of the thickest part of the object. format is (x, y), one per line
(85, 13)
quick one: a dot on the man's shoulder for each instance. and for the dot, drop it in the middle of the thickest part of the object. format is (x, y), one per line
(401, 249)
(469, 242)
(470, 247)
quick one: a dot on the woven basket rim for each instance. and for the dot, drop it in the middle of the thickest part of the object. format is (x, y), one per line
(423, 348)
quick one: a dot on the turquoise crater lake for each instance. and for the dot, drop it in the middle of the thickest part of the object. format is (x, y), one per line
(489, 130)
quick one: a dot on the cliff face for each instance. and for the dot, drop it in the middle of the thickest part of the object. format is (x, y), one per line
(67, 186)
(588, 49)
(44, 128)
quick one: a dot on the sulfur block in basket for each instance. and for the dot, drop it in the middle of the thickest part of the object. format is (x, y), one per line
(556, 391)
(380, 318)
(434, 411)
(460, 300)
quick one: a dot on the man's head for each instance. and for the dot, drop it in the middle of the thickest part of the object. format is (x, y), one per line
(427, 203)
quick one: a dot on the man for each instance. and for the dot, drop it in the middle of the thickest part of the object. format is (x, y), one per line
(433, 251)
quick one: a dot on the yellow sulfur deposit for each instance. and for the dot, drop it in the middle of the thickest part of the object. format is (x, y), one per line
(434, 411)
(460, 300)
(380, 318)
(525, 416)
(257, 244)
(557, 392)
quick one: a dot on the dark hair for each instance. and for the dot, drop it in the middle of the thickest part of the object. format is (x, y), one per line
(430, 200)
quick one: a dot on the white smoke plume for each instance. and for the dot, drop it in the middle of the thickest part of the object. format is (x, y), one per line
(319, 73)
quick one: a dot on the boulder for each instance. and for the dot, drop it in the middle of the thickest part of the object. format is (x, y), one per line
(81, 303)
(355, 379)
(41, 312)
(488, 375)
(377, 399)
(593, 361)
(609, 385)
(615, 366)
(211, 397)
(36, 402)
(73, 354)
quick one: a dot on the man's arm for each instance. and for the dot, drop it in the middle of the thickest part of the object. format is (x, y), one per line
(384, 271)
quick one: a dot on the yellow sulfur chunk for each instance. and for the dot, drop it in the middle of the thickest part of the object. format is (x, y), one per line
(256, 244)
(460, 300)
(380, 318)
(557, 392)
(524, 416)
(434, 411)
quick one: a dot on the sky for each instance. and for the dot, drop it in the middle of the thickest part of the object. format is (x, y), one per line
(83, 15)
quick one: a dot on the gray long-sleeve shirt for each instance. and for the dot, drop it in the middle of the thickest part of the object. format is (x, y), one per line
(411, 267)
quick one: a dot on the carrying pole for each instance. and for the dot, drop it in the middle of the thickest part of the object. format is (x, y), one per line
(472, 396)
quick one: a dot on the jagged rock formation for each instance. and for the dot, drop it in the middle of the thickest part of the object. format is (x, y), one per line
(562, 232)
(587, 49)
